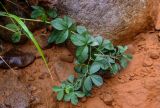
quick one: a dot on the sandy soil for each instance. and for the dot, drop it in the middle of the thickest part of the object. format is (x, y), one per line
(135, 87)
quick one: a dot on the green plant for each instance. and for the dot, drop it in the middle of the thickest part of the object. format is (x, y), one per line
(40, 12)
(18, 27)
(94, 56)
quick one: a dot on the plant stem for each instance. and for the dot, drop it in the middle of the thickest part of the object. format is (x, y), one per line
(34, 20)
(7, 28)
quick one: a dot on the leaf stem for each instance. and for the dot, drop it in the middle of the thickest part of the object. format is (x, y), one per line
(7, 28)
(35, 20)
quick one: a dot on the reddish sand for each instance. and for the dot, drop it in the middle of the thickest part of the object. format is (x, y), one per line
(135, 87)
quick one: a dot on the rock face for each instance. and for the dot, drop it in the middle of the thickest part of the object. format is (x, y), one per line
(123, 18)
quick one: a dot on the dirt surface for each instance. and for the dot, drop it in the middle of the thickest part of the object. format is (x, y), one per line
(138, 86)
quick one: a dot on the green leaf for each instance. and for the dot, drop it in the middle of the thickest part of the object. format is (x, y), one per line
(82, 53)
(88, 83)
(122, 49)
(78, 68)
(53, 36)
(81, 29)
(59, 24)
(67, 97)
(115, 68)
(74, 99)
(108, 45)
(71, 78)
(62, 37)
(128, 56)
(16, 37)
(78, 40)
(80, 94)
(97, 80)
(13, 27)
(95, 67)
(29, 34)
(123, 62)
(39, 12)
(52, 13)
(69, 88)
(60, 95)
(57, 89)
(78, 84)
(99, 39)
(68, 21)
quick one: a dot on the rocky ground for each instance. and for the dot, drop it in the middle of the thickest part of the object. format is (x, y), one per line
(135, 87)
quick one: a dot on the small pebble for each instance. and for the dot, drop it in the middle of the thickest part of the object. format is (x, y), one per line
(67, 58)
(147, 62)
(154, 54)
(31, 78)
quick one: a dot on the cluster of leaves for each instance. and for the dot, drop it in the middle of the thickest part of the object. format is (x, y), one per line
(18, 31)
(94, 56)
(40, 12)
(37, 13)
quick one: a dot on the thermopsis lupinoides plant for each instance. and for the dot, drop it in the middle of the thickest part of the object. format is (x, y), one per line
(95, 56)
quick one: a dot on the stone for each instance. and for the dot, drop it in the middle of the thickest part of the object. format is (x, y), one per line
(120, 19)
(16, 58)
(67, 58)
(108, 99)
(148, 62)
(14, 93)
(157, 24)
(154, 54)
(63, 70)
(42, 38)
(131, 49)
